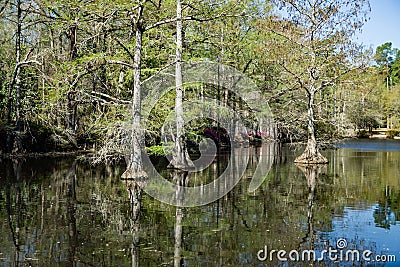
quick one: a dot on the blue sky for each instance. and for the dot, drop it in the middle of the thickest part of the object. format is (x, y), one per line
(383, 25)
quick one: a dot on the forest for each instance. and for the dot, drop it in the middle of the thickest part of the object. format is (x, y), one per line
(72, 71)
(225, 96)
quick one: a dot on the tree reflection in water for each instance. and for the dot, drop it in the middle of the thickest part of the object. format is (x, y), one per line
(134, 189)
(180, 178)
(61, 212)
(311, 172)
(14, 210)
(71, 214)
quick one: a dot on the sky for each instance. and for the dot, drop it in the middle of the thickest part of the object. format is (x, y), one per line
(383, 25)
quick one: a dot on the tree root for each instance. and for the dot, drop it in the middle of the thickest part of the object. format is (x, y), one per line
(131, 174)
(311, 158)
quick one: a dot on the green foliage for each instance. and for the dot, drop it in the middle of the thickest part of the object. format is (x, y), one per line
(386, 55)
(325, 130)
(82, 87)
(363, 134)
(160, 150)
(392, 133)
(388, 61)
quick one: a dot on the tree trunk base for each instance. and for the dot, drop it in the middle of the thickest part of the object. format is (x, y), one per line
(17, 146)
(311, 158)
(130, 174)
(183, 163)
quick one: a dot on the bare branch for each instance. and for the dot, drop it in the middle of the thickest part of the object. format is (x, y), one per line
(296, 76)
(3, 8)
(120, 101)
(117, 62)
(126, 49)
(20, 65)
(158, 72)
(191, 18)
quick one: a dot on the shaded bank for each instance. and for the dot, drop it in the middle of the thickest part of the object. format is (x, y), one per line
(33, 138)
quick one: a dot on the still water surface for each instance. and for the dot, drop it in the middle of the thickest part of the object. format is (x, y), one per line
(59, 212)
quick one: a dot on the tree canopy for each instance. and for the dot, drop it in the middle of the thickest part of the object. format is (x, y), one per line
(68, 75)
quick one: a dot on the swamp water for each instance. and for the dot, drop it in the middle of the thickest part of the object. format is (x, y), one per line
(59, 212)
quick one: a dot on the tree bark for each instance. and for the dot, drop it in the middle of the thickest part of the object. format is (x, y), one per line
(135, 165)
(9, 104)
(18, 74)
(311, 154)
(180, 159)
(72, 108)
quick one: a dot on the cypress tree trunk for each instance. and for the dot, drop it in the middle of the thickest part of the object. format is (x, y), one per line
(311, 154)
(18, 74)
(17, 80)
(71, 94)
(135, 165)
(180, 158)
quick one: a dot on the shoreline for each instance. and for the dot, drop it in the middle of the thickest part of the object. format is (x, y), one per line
(45, 154)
